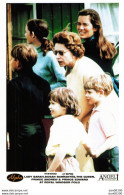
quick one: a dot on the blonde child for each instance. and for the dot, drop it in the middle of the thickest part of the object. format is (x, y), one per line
(65, 133)
(102, 131)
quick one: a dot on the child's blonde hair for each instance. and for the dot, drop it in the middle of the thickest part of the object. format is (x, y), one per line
(100, 82)
(66, 98)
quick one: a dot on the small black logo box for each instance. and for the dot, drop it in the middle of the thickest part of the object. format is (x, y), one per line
(15, 177)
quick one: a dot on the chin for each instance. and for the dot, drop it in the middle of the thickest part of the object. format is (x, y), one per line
(90, 103)
(83, 37)
(62, 65)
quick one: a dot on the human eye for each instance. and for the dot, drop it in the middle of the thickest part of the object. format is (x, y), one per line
(52, 102)
(55, 52)
(85, 24)
(61, 53)
(88, 92)
(78, 23)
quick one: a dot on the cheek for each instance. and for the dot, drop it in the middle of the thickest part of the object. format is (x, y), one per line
(13, 66)
(78, 28)
(11, 63)
(88, 28)
(64, 59)
(69, 58)
(27, 36)
(91, 30)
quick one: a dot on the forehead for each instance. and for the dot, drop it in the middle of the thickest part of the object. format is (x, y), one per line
(26, 28)
(90, 90)
(60, 46)
(85, 19)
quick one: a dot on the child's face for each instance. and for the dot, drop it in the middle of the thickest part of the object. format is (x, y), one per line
(15, 64)
(92, 96)
(56, 109)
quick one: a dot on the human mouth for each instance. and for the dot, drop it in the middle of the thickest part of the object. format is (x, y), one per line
(51, 112)
(60, 63)
(81, 33)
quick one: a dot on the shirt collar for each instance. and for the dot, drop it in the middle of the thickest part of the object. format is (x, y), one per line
(64, 116)
(88, 39)
(102, 106)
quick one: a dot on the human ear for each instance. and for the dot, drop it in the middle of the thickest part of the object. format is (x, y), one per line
(95, 29)
(18, 65)
(33, 35)
(101, 92)
(65, 110)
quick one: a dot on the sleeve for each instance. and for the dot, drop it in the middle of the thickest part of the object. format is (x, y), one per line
(59, 73)
(108, 124)
(11, 106)
(46, 100)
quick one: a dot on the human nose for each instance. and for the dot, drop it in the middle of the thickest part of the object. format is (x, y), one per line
(50, 106)
(86, 94)
(58, 55)
(81, 26)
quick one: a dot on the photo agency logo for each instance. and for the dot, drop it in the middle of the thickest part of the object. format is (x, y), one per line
(15, 177)
(108, 177)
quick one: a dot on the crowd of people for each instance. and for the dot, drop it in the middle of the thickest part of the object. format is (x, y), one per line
(71, 79)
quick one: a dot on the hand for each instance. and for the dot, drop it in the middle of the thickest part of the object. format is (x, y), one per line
(8, 142)
(91, 152)
(48, 170)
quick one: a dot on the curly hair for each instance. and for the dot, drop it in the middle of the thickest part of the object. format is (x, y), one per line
(99, 82)
(26, 54)
(41, 30)
(71, 41)
(107, 50)
(66, 98)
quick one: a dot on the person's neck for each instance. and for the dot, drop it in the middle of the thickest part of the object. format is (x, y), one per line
(37, 43)
(88, 39)
(24, 71)
(101, 100)
(71, 66)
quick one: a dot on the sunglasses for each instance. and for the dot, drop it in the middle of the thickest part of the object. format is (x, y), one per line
(61, 53)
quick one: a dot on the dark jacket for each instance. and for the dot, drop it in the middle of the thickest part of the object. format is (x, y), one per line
(27, 102)
(92, 52)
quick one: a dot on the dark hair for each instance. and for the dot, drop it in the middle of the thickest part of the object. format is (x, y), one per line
(66, 98)
(71, 41)
(107, 50)
(100, 82)
(41, 30)
(26, 54)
